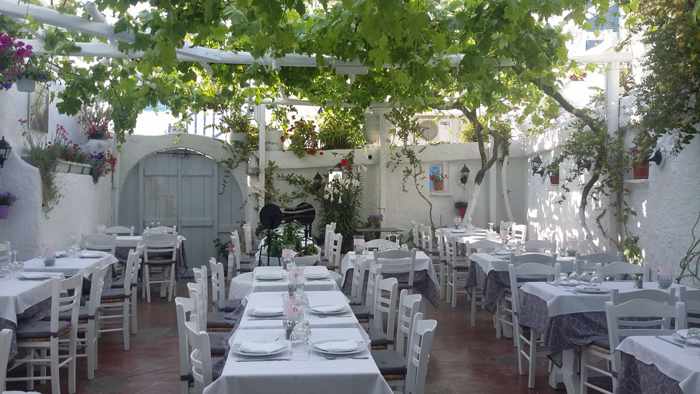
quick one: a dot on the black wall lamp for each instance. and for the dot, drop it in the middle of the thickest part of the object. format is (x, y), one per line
(5, 150)
(464, 175)
(656, 157)
(537, 166)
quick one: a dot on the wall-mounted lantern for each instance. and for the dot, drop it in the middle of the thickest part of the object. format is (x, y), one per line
(5, 150)
(537, 166)
(464, 175)
(656, 157)
(318, 181)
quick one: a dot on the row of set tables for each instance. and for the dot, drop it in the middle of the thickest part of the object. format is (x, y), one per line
(302, 365)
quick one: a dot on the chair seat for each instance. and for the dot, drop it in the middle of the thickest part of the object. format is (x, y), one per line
(603, 344)
(219, 343)
(381, 342)
(389, 362)
(38, 329)
(405, 286)
(230, 306)
(83, 315)
(113, 295)
(120, 285)
(220, 320)
(159, 261)
(361, 312)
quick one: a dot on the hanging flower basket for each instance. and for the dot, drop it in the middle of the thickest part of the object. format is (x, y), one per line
(26, 85)
(640, 170)
(4, 211)
(70, 167)
(461, 207)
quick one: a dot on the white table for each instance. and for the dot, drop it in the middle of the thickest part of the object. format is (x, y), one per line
(423, 263)
(679, 364)
(301, 371)
(316, 298)
(244, 284)
(16, 296)
(70, 265)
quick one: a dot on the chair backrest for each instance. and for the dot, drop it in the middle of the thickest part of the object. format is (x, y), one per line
(539, 246)
(603, 258)
(336, 251)
(409, 305)
(440, 238)
(328, 237)
(421, 345)
(526, 271)
(5, 345)
(505, 227)
(385, 303)
(415, 234)
(381, 245)
(533, 258)
(185, 312)
(373, 276)
(618, 270)
(201, 294)
(248, 238)
(131, 270)
(357, 291)
(644, 312)
(119, 230)
(160, 230)
(398, 261)
(65, 297)
(483, 246)
(200, 312)
(97, 283)
(691, 297)
(159, 244)
(426, 236)
(5, 252)
(218, 287)
(519, 232)
(200, 355)
(100, 242)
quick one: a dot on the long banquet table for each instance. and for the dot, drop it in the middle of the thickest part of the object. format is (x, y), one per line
(244, 284)
(299, 370)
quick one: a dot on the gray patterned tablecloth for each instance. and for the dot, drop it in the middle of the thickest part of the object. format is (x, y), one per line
(494, 285)
(422, 284)
(635, 377)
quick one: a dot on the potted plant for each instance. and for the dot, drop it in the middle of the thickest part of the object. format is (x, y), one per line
(95, 122)
(303, 138)
(553, 172)
(6, 200)
(34, 71)
(70, 158)
(640, 164)
(461, 207)
(13, 56)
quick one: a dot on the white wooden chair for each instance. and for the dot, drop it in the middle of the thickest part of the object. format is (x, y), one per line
(119, 230)
(398, 261)
(539, 246)
(248, 241)
(357, 291)
(364, 312)
(505, 228)
(202, 366)
(100, 242)
(5, 252)
(619, 270)
(327, 240)
(218, 288)
(5, 345)
(238, 262)
(334, 259)
(383, 324)
(160, 254)
(426, 236)
(416, 235)
(184, 310)
(39, 340)
(420, 346)
(643, 312)
(211, 320)
(518, 232)
(392, 363)
(692, 304)
(87, 320)
(442, 262)
(160, 230)
(458, 270)
(115, 309)
(525, 270)
(380, 245)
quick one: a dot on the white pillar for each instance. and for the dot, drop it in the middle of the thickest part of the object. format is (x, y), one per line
(612, 95)
(384, 128)
(493, 197)
(259, 116)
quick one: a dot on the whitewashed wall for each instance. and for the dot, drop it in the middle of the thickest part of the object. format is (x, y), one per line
(83, 205)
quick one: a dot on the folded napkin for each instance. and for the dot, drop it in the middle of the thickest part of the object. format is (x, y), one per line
(262, 347)
(35, 276)
(90, 254)
(267, 311)
(326, 309)
(689, 333)
(268, 273)
(340, 346)
(316, 272)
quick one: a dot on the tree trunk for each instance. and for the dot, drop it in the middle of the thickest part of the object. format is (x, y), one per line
(472, 203)
(504, 187)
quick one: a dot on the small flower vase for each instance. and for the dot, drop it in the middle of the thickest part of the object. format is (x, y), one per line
(664, 281)
(4, 211)
(26, 85)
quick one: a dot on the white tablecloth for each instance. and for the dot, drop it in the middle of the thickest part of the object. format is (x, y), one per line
(316, 298)
(492, 262)
(69, 265)
(682, 365)
(565, 300)
(304, 373)
(423, 263)
(16, 296)
(243, 284)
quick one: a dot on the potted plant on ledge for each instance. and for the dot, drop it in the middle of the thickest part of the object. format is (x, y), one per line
(461, 207)
(553, 171)
(6, 201)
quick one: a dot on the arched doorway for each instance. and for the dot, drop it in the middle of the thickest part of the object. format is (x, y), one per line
(186, 189)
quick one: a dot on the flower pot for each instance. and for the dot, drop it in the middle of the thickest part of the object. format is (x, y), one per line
(306, 260)
(4, 211)
(640, 170)
(26, 85)
(554, 179)
(462, 211)
(70, 167)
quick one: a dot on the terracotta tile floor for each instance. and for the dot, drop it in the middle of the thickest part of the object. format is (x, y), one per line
(464, 360)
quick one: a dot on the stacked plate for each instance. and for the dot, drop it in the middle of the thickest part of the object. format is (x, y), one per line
(591, 289)
(266, 311)
(316, 273)
(90, 254)
(260, 349)
(339, 347)
(327, 310)
(269, 273)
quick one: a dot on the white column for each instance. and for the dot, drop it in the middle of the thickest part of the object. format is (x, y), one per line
(493, 197)
(384, 127)
(612, 94)
(259, 116)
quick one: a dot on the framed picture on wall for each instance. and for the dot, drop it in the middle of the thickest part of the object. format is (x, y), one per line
(38, 109)
(438, 178)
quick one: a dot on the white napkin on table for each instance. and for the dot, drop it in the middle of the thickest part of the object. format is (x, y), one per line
(342, 346)
(316, 272)
(267, 311)
(262, 347)
(324, 309)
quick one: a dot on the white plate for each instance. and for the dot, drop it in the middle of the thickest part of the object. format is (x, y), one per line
(319, 347)
(688, 336)
(90, 254)
(236, 349)
(591, 290)
(568, 283)
(269, 276)
(34, 276)
(317, 276)
(266, 312)
(329, 309)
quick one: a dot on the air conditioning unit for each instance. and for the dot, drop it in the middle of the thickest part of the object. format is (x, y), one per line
(429, 129)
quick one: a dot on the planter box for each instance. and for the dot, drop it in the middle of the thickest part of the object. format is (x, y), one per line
(554, 179)
(25, 85)
(640, 171)
(94, 146)
(4, 211)
(306, 260)
(70, 167)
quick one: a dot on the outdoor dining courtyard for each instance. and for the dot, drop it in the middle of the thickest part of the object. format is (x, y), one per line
(357, 196)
